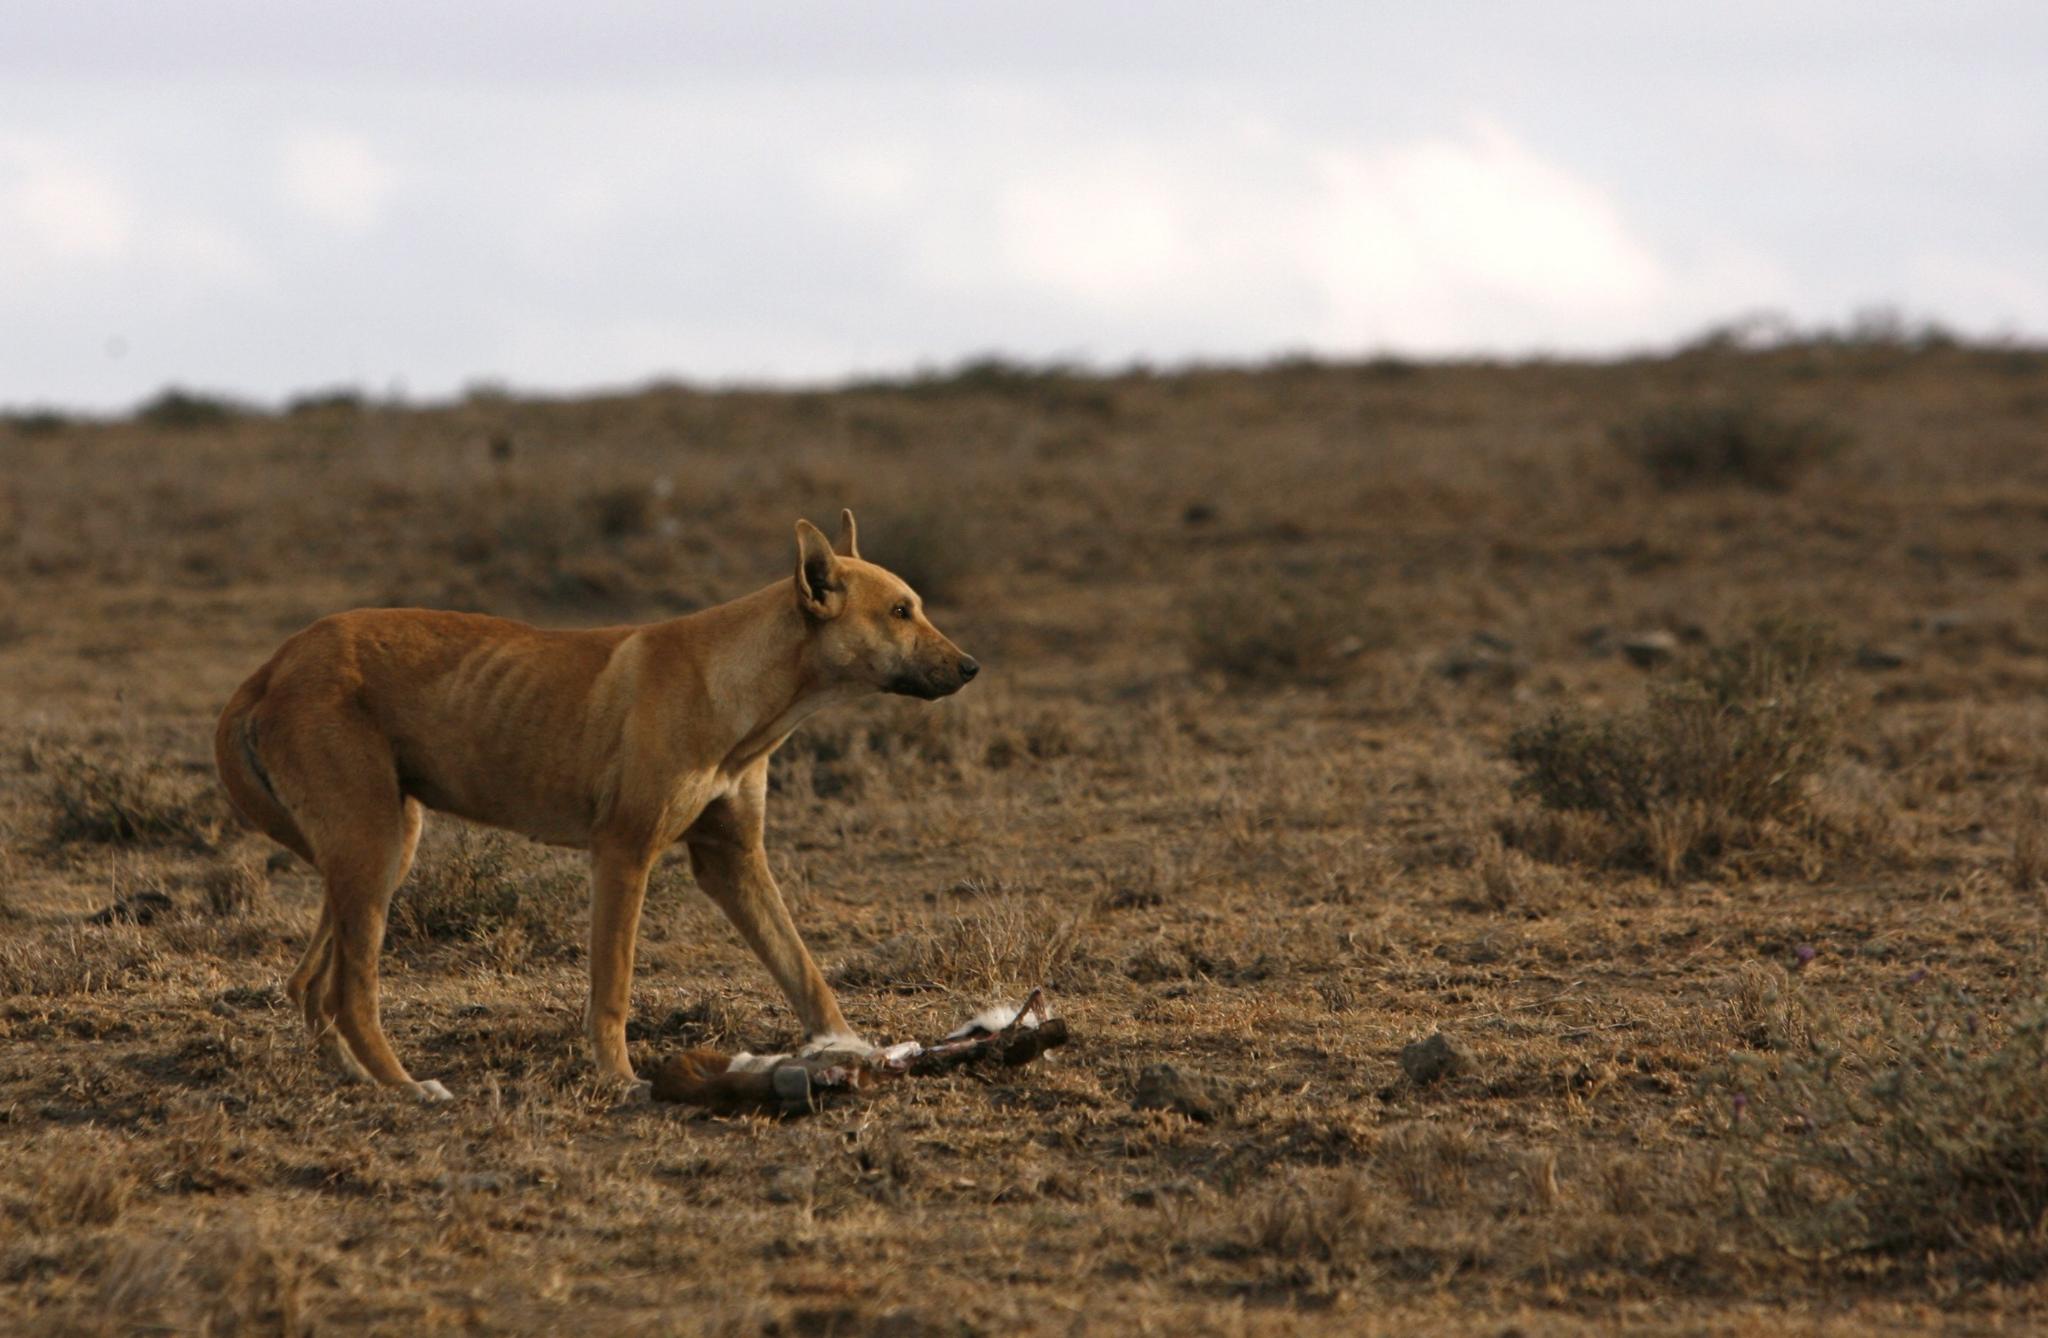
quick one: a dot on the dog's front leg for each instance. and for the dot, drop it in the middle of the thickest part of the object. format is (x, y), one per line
(737, 878)
(618, 885)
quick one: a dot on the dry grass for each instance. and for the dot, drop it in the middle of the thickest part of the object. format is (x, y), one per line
(1280, 626)
(127, 801)
(1238, 783)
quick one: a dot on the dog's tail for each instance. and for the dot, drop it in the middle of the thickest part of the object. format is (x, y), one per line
(239, 758)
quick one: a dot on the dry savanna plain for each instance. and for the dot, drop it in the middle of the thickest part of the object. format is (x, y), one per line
(1667, 736)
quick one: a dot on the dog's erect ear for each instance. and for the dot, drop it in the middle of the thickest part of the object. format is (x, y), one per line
(849, 537)
(820, 592)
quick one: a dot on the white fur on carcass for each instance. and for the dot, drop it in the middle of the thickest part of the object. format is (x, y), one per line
(993, 1019)
(989, 1021)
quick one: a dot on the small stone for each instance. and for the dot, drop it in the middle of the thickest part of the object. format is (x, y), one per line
(1151, 1196)
(1481, 661)
(1881, 657)
(1195, 1095)
(1437, 1058)
(1647, 650)
(791, 1184)
(144, 907)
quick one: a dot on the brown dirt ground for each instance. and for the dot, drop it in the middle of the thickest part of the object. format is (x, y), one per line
(1277, 879)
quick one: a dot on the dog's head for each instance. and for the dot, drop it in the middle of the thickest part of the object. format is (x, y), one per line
(868, 627)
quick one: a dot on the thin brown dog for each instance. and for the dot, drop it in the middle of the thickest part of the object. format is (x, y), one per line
(618, 740)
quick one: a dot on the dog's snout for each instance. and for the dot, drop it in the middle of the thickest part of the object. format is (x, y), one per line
(968, 668)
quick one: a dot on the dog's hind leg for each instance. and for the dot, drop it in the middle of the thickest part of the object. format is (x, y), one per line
(312, 964)
(360, 883)
(314, 987)
(311, 988)
(335, 771)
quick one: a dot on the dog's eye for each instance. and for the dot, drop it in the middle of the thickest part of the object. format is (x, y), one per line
(901, 611)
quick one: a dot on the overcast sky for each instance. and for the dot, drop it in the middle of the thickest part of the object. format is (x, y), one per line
(264, 197)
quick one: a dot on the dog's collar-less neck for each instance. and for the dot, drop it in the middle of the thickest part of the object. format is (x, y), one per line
(776, 699)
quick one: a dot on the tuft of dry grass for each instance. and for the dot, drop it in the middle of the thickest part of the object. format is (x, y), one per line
(91, 1186)
(1331, 1224)
(236, 884)
(1766, 1011)
(1002, 947)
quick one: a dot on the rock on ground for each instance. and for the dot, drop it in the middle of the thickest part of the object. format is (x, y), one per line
(1437, 1058)
(1195, 1095)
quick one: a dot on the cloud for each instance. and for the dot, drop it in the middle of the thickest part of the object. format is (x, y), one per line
(56, 207)
(336, 178)
(583, 210)
(1984, 291)
(1474, 239)
(68, 218)
(1257, 238)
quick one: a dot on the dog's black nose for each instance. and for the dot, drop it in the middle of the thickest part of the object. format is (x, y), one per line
(968, 669)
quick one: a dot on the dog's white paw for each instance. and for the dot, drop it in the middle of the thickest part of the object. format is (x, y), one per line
(431, 1092)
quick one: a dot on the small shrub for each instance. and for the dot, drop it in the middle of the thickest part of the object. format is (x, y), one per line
(928, 545)
(35, 422)
(122, 802)
(989, 374)
(1721, 752)
(179, 410)
(621, 511)
(1273, 630)
(340, 400)
(2030, 844)
(1923, 1130)
(1695, 445)
(474, 892)
(10, 871)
